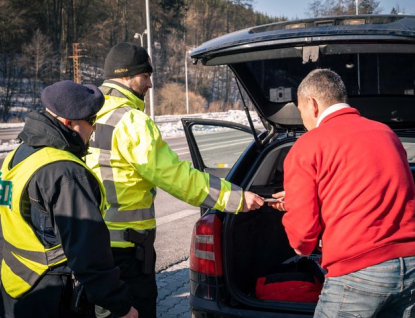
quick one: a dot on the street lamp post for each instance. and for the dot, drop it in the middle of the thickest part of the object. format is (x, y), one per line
(186, 79)
(138, 35)
(187, 87)
(151, 57)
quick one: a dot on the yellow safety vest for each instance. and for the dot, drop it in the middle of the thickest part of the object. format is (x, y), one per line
(128, 154)
(25, 258)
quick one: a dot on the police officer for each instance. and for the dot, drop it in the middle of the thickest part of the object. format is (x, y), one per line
(130, 156)
(57, 254)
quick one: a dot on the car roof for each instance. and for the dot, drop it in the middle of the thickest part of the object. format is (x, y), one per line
(300, 30)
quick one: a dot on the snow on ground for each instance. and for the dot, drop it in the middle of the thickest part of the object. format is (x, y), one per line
(173, 129)
(169, 125)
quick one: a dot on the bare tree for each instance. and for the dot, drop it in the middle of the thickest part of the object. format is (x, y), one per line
(342, 7)
(10, 32)
(397, 9)
(38, 61)
(369, 7)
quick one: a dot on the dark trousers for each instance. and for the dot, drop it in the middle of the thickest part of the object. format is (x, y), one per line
(49, 298)
(142, 286)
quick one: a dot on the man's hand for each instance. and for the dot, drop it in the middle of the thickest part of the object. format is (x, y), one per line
(133, 313)
(279, 205)
(252, 201)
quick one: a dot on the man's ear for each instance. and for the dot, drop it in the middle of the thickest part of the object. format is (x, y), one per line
(315, 108)
(67, 122)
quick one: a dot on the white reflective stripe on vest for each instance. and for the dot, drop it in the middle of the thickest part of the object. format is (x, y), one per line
(115, 215)
(105, 135)
(45, 258)
(118, 236)
(24, 272)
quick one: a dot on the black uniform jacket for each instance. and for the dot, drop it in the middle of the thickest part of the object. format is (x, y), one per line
(64, 208)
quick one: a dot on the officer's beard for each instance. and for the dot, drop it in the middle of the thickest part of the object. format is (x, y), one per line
(139, 95)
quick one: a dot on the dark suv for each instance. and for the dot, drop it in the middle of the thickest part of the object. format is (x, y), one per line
(375, 56)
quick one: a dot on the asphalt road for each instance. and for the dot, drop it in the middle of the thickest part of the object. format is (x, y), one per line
(175, 219)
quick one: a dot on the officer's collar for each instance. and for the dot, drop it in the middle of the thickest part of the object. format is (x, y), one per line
(117, 89)
(124, 87)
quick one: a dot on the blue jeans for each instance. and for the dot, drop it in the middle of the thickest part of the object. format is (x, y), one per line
(383, 290)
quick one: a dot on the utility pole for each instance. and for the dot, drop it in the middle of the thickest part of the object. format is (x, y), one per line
(357, 7)
(75, 57)
(187, 87)
(151, 57)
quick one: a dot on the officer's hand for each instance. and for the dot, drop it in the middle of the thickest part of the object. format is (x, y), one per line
(133, 313)
(279, 205)
(252, 201)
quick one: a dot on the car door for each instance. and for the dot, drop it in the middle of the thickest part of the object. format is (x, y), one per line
(215, 146)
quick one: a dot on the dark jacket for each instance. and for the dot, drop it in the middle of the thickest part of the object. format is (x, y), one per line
(64, 207)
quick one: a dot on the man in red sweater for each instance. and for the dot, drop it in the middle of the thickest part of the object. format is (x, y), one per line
(348, 185)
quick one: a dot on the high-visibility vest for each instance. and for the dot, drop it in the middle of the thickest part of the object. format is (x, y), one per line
(25, 258)
(129, 155)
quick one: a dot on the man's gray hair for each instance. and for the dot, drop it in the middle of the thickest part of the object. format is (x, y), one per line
(325, 85)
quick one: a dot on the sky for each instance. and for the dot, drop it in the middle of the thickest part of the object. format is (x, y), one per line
(297, 8)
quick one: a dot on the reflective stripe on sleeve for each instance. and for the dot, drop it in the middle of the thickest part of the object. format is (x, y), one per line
(214, 192)
(234, 199)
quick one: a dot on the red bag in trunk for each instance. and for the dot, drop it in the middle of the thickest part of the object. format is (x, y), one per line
(301, 281)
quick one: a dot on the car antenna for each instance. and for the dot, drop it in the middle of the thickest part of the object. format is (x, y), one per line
(251, 124)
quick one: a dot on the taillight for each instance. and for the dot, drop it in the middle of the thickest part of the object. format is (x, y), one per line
(205, 249)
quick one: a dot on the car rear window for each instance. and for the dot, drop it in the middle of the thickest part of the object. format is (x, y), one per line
(365, 74)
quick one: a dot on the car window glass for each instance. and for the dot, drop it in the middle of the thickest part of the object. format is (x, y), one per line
(363, 74)
(409, 145)
(220, 147)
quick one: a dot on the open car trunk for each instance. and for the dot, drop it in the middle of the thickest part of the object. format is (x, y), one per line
(256, 245)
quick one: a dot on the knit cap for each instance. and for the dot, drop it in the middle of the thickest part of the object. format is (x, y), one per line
(126, 59)
(70, 100)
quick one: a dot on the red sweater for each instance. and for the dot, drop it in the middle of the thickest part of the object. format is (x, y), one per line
(349, 183)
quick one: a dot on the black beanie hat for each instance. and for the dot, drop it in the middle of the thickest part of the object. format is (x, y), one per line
(70, 100)
(126, 59)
